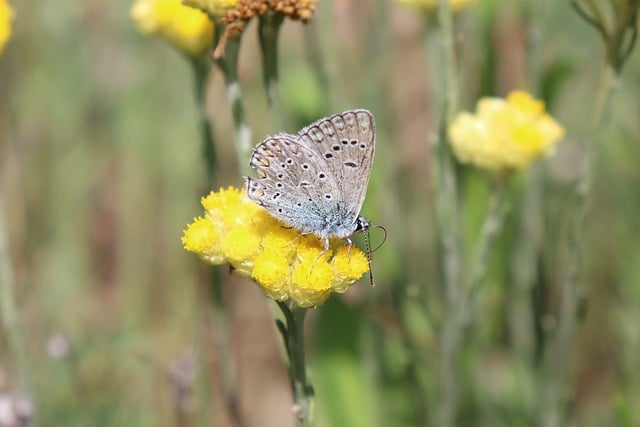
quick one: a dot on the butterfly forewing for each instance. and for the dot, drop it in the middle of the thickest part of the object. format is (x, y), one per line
(293, 183)
(346, 142)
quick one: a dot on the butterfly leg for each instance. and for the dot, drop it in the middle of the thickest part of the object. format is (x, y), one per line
(321, 254)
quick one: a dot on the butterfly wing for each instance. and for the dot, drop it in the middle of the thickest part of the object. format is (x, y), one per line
(294, 185)
(346, 142)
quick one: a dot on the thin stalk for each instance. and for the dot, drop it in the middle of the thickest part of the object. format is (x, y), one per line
(10, 318)
(492, 224)
(526, 245)
(201, 68)
(448, 222)
(557, 360)
(268, 29)
(293, 336)
(221, 323)
(525, 254)
(228, 64)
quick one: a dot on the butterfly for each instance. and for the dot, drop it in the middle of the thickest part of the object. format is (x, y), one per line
(316, 181)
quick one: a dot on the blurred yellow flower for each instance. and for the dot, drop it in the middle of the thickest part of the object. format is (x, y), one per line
(284, 263)
(188, 29)
(212, 7)
(504, 135)
(6, 16)
(456, 5)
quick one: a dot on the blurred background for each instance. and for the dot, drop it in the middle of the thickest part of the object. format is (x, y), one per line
(101, 169)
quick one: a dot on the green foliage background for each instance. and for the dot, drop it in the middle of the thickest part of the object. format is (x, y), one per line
(101, 169)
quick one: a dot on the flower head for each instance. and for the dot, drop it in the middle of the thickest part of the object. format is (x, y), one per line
(456, 5)
(504, 135)
(295, 9)
(236, 18)
(6, 16)
(188, 29)
(284, 263)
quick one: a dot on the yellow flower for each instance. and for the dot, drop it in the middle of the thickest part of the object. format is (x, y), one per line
(188, 29)
(456, 5)
(284, 263)
(6, 16)
(504, 135)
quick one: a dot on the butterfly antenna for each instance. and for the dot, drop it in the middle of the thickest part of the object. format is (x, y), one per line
(367, 244)
(383, 240)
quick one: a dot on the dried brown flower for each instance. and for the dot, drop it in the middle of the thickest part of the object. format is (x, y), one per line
(235, 19)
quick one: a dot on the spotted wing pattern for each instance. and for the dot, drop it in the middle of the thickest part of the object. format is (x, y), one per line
(316, 181)
(292, 183)
(347, 142)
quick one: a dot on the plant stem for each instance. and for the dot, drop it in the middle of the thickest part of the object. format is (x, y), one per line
(557, 357)
(227, 368)
(293, 336)
(448, 221)
(492, 224)
(525, 254)
(228, 64)
(268, 30)
(201, 68)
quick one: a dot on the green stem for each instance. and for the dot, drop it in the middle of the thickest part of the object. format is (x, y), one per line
(525, 254)
(268, 30)
(227, 369)
(492, 224)
(10, 318)
(557, 357)
(448, 222)
(293, 336)
(201, 68)
(229, 67)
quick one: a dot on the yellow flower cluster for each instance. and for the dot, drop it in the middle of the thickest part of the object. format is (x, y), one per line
(284, 263)
(504, 135)
(6, 16)
(188, 29)
(456, 5)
